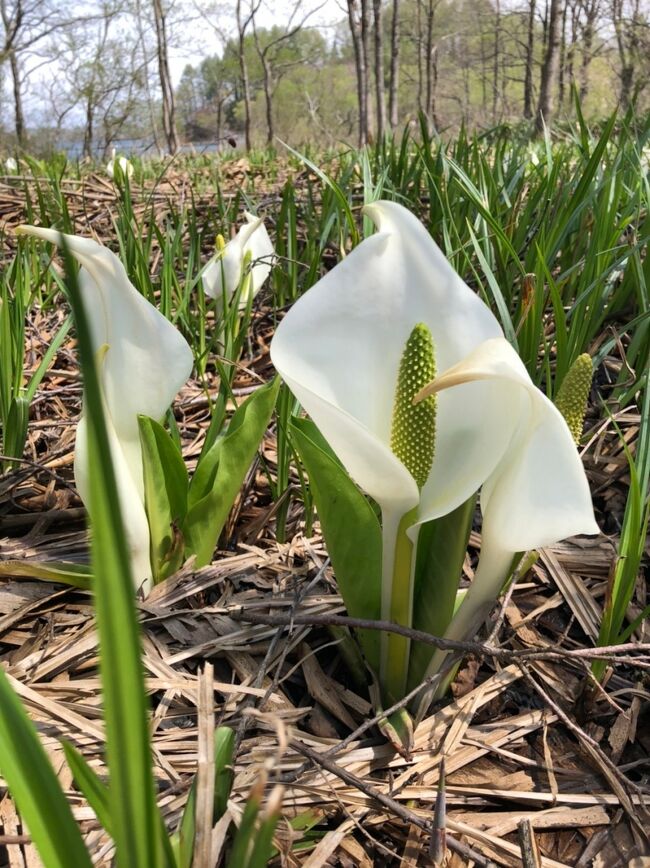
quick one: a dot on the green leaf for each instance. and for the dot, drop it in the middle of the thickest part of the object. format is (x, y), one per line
(224, 770)
(94, 789)
(35, 788)
(442, 545)
(165, 495)
(350, 527)
(221, 472)
(241, 847)
(224, 747)
(15, 432)
(77, 575)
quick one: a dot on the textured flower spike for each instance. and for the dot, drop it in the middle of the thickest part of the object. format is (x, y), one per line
(573, 394)
(413, 432)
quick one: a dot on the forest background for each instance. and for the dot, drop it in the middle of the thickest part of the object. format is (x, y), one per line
(82, 78)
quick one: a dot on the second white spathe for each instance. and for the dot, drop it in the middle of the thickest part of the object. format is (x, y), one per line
(223, 274)
(143, 361)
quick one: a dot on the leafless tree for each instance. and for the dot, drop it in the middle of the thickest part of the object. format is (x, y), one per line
(243, 23)
(379, 67)
(628, 27)
(530, 49)
(358, 21)
(394, 66)
(166, 87)
(101, 77)
(590, 10)
(550, 66)
(26, 24)
(272, 69)
(431, 57)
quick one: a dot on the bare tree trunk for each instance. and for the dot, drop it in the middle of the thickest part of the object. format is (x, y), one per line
(379, 69)
(571, 52)
(394, 67)
(420, 56)
(431, 64)
(168, 106)
(153, 120)
(268, 98)
(88, 129)
(497, 50)
(550, 67)
(355, 18)
(19, 117)
(530, 48)
(365, 42)
(627, 38)
(563, 55)
(592, 9)
(243, 74)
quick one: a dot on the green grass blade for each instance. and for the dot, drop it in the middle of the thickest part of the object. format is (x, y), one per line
(34, 786)
(95, 791)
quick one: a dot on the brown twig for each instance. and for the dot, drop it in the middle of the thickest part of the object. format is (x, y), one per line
(614, 653)
(385, 801)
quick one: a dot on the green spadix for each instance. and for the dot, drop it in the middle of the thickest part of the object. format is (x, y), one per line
(413, 431)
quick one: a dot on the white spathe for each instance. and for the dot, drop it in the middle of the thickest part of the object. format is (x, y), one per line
(143, 361)
(339, 349)
(222, 275)
(125, 165)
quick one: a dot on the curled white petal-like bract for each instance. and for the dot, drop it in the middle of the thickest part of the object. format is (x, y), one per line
(145, 363)
(538, 493)
(222, 275)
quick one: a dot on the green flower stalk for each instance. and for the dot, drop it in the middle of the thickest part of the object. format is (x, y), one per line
(573, 394)
(412, 439)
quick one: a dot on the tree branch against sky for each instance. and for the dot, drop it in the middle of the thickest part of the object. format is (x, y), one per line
(309, 69)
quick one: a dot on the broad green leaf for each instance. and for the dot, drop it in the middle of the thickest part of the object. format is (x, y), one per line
(165, 495)
(35, 788)
(77, 575)
(351, 530)
(135, 819)
(442, 545)
(225, 465)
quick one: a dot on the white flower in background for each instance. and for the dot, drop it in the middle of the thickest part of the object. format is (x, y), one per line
(125, 166)
(11, 164)
(142, 363)
(223, 274)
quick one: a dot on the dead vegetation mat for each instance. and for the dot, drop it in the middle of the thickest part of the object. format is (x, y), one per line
(542, 766)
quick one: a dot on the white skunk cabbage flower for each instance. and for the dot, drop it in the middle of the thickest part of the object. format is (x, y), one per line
(11, 164)
(340, 349)
(223, 274)
(125, 165)
(142, 360)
